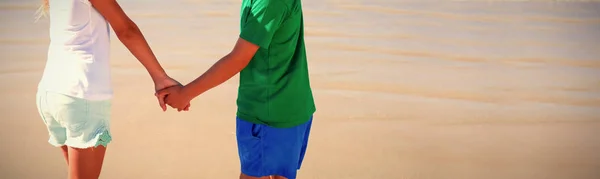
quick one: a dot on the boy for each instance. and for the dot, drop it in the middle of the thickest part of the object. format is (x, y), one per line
(275, 102)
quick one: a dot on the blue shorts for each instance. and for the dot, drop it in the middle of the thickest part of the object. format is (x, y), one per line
(266, 151)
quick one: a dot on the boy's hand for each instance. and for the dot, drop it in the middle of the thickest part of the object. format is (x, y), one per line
(174, 97)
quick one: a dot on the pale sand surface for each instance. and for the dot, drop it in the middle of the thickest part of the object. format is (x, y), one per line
(404, 90)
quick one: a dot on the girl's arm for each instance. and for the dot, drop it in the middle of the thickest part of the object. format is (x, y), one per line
(131, 36)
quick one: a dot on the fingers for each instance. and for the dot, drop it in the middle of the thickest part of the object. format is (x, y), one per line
(161, 95)
(182, 108)
(186, 108)
(175, 103)
(161, 101)
(169, 96)
(167, 90)
(178, 105)
(163, 83)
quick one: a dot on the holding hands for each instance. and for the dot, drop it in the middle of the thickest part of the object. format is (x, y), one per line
(174, 97)
(168, 91)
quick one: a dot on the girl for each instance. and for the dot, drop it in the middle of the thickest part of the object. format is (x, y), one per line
(74, 94)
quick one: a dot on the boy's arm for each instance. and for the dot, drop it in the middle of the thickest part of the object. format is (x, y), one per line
(222, 70)
(263, 21)
(179, 97)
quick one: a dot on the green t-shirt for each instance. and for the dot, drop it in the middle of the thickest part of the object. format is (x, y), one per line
(274, 88)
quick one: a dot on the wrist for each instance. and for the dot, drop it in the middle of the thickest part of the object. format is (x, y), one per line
(159, 76)
(188, 93)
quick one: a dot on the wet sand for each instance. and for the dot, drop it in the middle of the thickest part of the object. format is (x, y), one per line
(404, 90)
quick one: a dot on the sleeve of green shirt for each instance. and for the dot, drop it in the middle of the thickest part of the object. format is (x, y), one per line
(263, 19)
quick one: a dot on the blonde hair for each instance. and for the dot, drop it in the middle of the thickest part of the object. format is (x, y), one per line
(42, 10)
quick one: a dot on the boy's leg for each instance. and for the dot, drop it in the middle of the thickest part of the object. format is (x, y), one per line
(266, 151)
(243, 176)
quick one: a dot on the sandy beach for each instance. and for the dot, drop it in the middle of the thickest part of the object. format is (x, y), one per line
(404, 90)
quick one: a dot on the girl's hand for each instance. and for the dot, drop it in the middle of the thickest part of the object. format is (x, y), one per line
(161, 84)
(165, 82)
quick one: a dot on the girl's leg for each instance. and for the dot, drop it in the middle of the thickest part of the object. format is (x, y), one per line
(65, 151)
(86, 163)
(56, 131)
(86, 133)
(81, 125)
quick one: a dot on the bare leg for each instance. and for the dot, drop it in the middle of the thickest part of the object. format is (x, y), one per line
(65, 151)
(279, 177)
(86, 163)
(243, 176)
